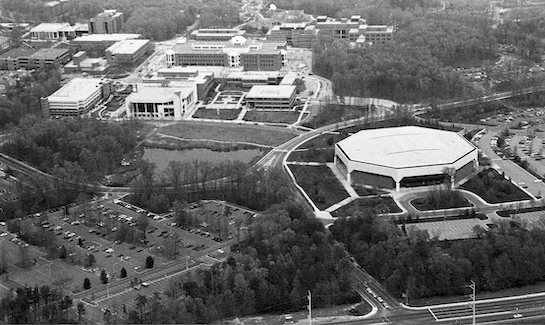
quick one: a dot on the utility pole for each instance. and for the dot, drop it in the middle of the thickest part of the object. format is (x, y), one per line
(309, 308)
(472, 286)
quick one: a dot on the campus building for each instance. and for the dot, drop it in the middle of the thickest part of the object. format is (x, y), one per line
(204, 80)
(57, 31)
(354, 29)
(295, 34)
(250, 54)
(271, 97)
(216, 34)
(96, 44)
(128, 53)
(81, 63)
(159, 102)
(408, 156)
(77, 97)
(25, 58)
(106, 22)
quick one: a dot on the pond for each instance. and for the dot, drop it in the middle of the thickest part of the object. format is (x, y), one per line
(161, 157)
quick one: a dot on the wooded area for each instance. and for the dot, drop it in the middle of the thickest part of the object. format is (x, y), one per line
(415, 264)
(288, 252)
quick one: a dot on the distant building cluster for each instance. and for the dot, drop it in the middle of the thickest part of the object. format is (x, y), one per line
(238, 51)
(354, 29)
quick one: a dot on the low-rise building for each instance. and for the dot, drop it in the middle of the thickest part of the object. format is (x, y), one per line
(81, 63)
(46, 57)
(57, 31)
(204, 80)
(16, 59)
(271, 97)
(129, 53)
(250, 54)
(77, 97)
(149, 101)
(106, 22)
(216, 34)
(96, 44)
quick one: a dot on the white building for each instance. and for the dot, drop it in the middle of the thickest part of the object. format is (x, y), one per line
(406, 156)
(271, 97)
(57, 31)
(152, 101)
(77, 97)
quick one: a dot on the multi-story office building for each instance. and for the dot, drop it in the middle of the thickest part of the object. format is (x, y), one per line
(106, 22)
(215, 34)
(77, 97)
(250, 54)
(204, 80)
(96, 44)
(154, 101)
(295, 34)
(5, 43)
(353, 29)
(128, 53)
(280, 97)
(24, 58)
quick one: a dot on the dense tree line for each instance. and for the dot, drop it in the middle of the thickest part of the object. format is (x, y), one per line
(78, 149)
(256, 190)
(36, 305)
(23, 97)
(221, 13)
(287, 253)
(412, 263)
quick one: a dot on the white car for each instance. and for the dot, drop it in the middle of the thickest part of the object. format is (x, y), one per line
(4, 234)
(517, 316)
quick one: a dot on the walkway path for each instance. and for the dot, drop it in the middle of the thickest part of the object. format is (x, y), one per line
(342, 180)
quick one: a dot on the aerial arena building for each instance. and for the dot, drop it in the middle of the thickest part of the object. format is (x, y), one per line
(402, 157)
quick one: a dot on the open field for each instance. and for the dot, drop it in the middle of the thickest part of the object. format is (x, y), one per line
(271, 116)
(271, 136)
(320, 184)
(217, 114)
(378, 205)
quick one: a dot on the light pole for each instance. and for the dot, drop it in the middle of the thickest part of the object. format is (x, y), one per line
(472, 286)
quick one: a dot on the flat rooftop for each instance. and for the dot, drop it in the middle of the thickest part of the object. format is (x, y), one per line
(77, 89)
(17, 52)
(271, 91)
(127, 46)
(405, 147)
(50, 27)
(49, 54)
(106, 37)
(153, 94)
(218, 47)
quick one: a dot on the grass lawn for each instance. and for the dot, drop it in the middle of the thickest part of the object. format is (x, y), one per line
(320, 184)
(224, 114)
(313, 155)
(535, 288)
(440, 200)
(271, 117)
(493, 188)
(366, 191)
(265, 135)
(378, 205)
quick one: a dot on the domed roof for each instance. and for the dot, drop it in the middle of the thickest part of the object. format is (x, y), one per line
(238, 40)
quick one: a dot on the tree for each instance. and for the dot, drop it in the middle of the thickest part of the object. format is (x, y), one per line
(86, 284)
(123, 273)
(149, 262)
(141, 302)
(81, 311)
(103, 277)
(90, 261)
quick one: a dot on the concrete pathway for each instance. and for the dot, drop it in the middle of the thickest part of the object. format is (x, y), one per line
(340, 204)
(343, 181)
